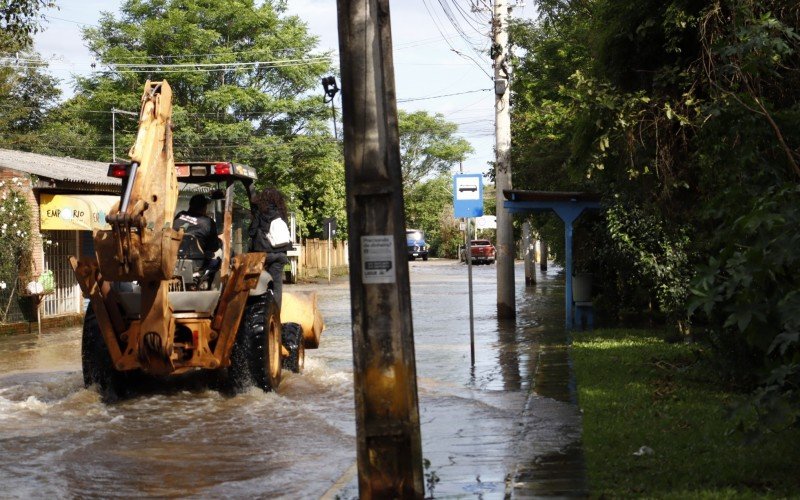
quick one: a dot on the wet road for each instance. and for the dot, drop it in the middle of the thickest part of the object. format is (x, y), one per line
(58, 440)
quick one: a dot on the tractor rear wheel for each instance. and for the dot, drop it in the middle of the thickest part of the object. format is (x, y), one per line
(292, 338)
(98, 368)
(257, 352)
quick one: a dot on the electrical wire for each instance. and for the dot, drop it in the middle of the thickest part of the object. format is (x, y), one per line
(447, 41)
(48, 17)
(278, 62)
(445, 6)
(440, 96)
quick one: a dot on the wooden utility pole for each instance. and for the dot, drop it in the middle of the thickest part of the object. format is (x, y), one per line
(505, 233)
(385, 382)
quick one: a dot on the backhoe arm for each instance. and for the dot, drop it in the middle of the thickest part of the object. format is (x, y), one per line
(141, 245)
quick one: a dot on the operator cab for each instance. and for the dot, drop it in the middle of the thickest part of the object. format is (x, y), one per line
(228, 188)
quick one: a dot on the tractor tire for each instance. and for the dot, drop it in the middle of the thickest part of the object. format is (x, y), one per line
(98, 368)
(256, 355)
(292, 338)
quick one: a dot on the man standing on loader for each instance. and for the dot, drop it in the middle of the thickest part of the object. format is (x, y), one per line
(270, 234)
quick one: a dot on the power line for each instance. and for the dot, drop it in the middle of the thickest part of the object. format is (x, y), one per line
(442, 95)
(206, 68)
(445, 6)
(449, 14)
(277, 62)
(436, 25)
(48, 17)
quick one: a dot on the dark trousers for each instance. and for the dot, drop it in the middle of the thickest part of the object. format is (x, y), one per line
(276, 271)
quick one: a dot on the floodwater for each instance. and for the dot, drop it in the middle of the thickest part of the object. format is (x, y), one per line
(58, 440)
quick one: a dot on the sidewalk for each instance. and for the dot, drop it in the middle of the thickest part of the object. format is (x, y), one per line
(551, 406)
(536, 447)
(515, 430)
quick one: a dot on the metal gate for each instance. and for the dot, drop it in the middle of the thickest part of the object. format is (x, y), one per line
(66, 299)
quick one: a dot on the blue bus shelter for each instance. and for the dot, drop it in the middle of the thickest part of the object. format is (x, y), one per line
(568, 206)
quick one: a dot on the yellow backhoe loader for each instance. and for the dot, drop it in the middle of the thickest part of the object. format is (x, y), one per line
(158, 310)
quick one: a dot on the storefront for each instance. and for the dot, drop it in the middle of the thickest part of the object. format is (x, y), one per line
(67, 222)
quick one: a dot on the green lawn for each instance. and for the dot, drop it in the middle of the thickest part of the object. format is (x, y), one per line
(636, 390)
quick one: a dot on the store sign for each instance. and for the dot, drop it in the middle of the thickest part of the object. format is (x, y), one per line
(75, 212)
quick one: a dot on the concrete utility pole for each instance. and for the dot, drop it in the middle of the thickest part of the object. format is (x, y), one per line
(505, 234)
(530, 253)
(387, 414)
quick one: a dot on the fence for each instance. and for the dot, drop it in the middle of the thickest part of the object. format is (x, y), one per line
(67, 298)
(314, 257)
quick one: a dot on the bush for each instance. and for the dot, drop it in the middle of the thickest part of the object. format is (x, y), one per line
(15, 232)
(748, 296)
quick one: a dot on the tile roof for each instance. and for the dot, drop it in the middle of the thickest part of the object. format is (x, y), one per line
(58, 168)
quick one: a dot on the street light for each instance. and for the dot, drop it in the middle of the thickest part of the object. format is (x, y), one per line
(331, 89)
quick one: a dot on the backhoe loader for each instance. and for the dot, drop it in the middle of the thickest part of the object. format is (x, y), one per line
(158, 309)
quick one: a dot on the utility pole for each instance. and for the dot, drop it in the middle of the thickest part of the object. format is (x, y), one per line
(505, 233)
(389, 450)
(530, 252)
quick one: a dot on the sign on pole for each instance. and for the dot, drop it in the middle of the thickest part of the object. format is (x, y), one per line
(468, 195)
(468, 203)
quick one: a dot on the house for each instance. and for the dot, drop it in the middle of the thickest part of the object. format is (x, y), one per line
(69, 199)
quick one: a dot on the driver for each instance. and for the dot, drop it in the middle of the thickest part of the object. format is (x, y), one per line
(196, 223)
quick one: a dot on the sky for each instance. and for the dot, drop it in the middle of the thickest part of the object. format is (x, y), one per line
(439, 56)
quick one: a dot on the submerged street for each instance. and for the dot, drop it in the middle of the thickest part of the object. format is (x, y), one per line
(483, 432)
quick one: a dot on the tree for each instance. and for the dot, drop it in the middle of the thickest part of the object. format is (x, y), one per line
(428, 146)
(684, 116)
(243, 76)
(428, 152)
(27, 93)
(426, 202)
(19, 19)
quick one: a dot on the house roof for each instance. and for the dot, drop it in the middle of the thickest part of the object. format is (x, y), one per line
(58, 168)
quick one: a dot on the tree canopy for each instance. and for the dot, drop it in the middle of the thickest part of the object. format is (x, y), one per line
(27, 92)
(428, 146)
(19, 20)
(244, 77)
(429, 150)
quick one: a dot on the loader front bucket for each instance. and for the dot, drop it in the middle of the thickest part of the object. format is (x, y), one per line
(301, 308)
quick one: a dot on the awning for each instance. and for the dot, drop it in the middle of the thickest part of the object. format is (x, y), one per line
(75, 212)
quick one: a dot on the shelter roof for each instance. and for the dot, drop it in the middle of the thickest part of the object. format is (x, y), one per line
(58, 168)
(522, 195)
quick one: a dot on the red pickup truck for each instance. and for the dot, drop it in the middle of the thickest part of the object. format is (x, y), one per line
(482, 252)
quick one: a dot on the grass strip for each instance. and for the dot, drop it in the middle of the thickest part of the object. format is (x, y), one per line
(655, 425)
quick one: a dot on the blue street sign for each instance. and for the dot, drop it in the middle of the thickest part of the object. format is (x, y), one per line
(468, 195)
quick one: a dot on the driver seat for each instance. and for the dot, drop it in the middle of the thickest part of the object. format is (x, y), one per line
(193, 268)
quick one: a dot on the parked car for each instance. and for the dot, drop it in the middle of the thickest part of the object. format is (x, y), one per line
(482, 252)
(416, 245)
